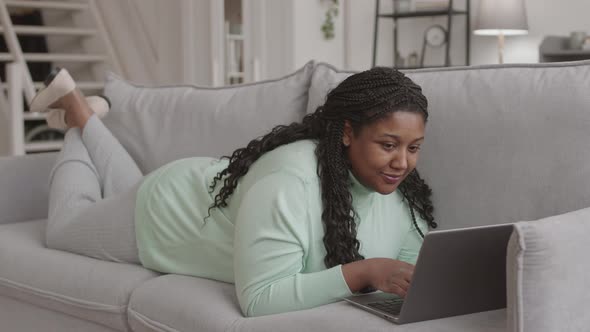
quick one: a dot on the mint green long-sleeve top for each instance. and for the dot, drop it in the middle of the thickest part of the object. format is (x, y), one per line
(269, 238)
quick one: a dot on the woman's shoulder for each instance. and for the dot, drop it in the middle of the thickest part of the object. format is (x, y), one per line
(305, 146)
(190, 164)
(298, 158)
(184, 172)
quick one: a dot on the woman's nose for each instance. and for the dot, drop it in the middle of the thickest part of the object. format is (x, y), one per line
(399, 161)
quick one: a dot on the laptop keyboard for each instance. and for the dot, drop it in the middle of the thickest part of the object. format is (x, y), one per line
(393, 306)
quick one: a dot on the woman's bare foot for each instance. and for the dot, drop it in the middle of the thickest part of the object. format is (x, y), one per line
(77, 110)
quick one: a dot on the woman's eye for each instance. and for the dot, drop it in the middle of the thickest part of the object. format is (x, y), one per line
(388, 146)
(414, 149)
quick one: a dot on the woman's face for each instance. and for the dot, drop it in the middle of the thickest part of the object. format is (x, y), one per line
(383, 153)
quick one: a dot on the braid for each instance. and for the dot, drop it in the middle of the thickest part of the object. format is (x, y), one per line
(340, 239)
(359, 99)
(417, 193)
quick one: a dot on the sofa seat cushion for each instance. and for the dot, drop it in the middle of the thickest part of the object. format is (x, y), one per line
(80, 286)
(178, 303)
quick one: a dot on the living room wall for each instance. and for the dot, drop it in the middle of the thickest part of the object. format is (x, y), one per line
(156, 39)
(545, 17)
(169, 42)
(352, 46)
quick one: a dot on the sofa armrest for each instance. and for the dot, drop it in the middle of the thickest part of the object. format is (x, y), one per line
(24, 187)
(547, 272)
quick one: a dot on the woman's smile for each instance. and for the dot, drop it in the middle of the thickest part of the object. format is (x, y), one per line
(391, 178)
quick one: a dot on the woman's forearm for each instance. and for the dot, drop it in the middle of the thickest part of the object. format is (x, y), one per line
(357, 275)
(295, 292)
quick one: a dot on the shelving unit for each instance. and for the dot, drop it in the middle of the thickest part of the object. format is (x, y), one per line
(449, 13)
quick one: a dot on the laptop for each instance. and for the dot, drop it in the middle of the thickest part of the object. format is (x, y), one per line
(459, 271)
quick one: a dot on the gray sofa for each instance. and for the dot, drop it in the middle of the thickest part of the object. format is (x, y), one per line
(503, 144)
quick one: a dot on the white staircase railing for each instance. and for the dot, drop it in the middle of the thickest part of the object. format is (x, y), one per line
(16, 52)
(84, 12)
(13, 130)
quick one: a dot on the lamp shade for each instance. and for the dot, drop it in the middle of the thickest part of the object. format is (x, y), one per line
(507, 17)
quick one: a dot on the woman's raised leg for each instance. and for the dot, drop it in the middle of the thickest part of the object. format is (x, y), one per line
(92, 189)
(80, 219)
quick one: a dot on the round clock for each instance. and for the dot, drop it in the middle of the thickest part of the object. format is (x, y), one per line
(435, 36)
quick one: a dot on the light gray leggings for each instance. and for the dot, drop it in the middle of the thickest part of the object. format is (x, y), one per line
(92, 194)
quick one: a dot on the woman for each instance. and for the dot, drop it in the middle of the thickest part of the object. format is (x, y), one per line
(303, 216)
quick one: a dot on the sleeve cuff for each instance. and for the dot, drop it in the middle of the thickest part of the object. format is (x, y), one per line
(345, 287)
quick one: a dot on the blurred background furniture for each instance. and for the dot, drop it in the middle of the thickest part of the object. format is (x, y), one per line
(501, 18)
(556, 49)
(416, 9)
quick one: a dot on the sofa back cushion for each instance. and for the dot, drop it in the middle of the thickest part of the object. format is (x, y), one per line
(161, 124)
(503, 143)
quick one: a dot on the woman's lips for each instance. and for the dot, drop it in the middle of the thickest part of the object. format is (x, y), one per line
(391, 179)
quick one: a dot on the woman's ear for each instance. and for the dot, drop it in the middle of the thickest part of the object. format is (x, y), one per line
(347, 134)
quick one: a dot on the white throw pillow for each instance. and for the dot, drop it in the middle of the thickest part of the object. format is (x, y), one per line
(161, 124)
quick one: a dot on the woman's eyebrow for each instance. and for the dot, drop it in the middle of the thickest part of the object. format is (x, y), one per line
(399, 138)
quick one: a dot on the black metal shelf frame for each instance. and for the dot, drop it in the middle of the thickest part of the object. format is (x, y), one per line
(449, 13)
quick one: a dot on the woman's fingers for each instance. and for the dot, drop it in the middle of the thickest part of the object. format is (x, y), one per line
(393, 276)
(396, 289)
(406, 272)
(401, 283)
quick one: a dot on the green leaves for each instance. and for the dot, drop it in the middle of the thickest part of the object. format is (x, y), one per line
(328, 26)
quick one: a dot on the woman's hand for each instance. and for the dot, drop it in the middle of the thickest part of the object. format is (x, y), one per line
(391, 276)
(385, 274)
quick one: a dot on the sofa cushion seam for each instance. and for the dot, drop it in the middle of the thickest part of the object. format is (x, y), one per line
(518, 229)
(233, 324)
(63, 299)
(150, 322)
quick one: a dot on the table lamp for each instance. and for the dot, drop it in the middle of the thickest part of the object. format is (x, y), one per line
(501, 18)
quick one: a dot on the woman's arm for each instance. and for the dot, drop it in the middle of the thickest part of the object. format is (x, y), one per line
(271, 248)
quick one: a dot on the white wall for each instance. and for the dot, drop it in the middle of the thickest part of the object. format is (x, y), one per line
(293, 35)
(309, 42)
(160, 42)
(168, 42)
(545, 17)
(153, 39)
(286, 34)
(141, 35)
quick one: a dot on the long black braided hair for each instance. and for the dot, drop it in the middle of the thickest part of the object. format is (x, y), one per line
(361, 99)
